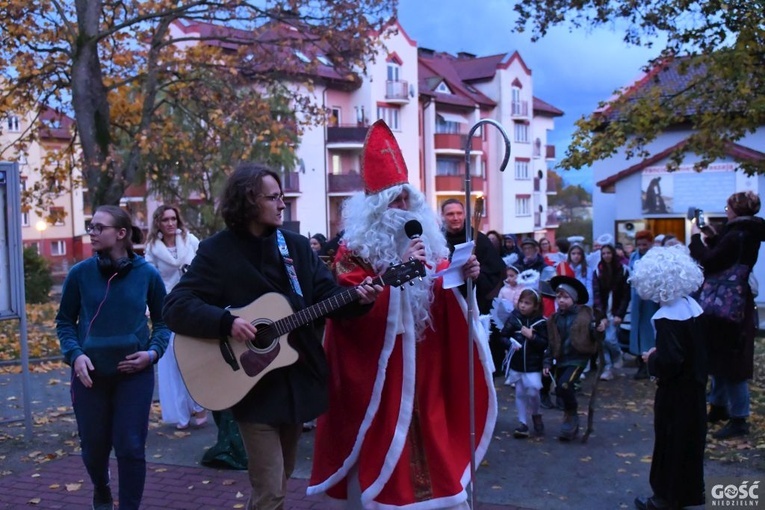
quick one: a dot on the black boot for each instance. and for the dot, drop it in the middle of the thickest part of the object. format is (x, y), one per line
(734, 428)
(102, 498)
(642, 371)
(717, 413)
(539, 426)
(570, 427)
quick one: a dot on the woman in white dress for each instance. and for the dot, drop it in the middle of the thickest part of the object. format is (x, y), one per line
(170, 248)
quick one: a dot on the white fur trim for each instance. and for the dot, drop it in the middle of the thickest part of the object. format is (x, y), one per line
(405, 410)
(481, 341)
(394, 309)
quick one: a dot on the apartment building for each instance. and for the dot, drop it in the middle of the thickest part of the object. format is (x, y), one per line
(430, 100)
(62, 240)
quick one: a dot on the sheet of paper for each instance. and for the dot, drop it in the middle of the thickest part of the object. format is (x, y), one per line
(453, 274)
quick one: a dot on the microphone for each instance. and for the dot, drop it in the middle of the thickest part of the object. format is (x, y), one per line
(413, 229)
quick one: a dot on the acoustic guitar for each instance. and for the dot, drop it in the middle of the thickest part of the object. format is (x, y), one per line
(220, 372)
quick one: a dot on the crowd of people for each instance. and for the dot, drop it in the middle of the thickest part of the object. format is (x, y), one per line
(378, 405)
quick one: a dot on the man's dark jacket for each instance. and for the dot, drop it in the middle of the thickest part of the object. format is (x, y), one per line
(232, 270)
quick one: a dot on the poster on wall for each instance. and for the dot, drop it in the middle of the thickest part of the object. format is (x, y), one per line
(664, 192)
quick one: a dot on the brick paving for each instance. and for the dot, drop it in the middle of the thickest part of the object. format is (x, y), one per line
(63, 484)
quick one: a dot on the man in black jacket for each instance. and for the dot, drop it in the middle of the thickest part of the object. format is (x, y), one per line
(492, 268)
(235, 267)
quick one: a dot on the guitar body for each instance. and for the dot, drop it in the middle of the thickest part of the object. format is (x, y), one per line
(211, 381)
(220, 374)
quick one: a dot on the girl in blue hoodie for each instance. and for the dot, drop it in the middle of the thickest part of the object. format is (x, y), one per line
(105, 336)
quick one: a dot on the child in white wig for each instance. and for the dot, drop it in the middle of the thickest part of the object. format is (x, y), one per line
(679, 361)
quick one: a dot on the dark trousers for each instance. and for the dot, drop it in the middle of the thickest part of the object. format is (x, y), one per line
(565, 377)
(114, 412)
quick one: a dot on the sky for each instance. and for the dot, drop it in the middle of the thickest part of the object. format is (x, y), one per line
(573, 71)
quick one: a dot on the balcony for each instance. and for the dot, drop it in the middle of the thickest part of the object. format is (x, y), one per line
(346, 137)
(291, 182)
(454, 143)
(552, 220)
(552, 189)
(550, 151)
(454, 183)
(520, 109)
(345, 183)
(397, 92)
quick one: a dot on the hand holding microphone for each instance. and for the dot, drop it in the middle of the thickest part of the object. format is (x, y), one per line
(416, 248)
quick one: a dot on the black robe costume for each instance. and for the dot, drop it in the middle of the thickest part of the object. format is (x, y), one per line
(680, 420)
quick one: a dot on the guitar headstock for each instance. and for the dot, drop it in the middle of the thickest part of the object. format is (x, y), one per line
(399, 274)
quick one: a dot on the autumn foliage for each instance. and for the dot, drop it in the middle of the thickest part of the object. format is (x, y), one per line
(173, 92)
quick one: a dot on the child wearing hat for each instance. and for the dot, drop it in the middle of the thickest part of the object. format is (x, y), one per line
(575, 335)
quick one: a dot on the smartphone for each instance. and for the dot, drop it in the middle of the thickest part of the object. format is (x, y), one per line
(699, 217)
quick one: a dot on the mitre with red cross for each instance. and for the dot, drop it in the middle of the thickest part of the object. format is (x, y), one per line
(382, 165)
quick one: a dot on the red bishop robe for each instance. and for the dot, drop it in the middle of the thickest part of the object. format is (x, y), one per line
(398, 408)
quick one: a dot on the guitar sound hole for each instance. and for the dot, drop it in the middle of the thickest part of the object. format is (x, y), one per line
(265, 339)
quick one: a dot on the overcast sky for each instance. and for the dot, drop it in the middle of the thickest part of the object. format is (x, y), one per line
(571, 70)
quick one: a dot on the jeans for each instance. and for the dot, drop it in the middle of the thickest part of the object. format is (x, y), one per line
(733, 395)
(611, 350)
(114, 412)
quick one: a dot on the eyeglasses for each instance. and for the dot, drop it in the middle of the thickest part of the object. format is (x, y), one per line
(97, 228)
(273, 198)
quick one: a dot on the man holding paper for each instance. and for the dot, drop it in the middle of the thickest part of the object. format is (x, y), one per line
(398, 375)
(489, 281)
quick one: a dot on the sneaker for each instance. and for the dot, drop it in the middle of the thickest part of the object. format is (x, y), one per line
(521, 431)
(734, 428)
(607, 375)
(102, 499)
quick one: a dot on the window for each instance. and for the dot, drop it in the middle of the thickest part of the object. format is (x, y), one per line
(521, 132)
(336, 168)
(12, 123)
(448, 166)
(393, 72)
(24, 219)
(302, 56)
(389, 115)
(334, 116)
(522, 170)
(57, 248)
(443, 88)
(37, 245)
(522, 205)
(446, 126)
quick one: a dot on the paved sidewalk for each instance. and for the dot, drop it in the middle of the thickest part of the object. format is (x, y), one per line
(63, 484)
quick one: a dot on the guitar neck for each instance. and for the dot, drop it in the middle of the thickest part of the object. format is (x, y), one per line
(318, 310)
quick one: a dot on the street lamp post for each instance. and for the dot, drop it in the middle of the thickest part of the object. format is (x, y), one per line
(41, 226)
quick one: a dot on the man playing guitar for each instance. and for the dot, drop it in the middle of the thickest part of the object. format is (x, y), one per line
(251, 258)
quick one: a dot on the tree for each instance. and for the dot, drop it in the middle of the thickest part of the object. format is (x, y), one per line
(124, 69)
(571, 197)
(37, 277)
(716, 47)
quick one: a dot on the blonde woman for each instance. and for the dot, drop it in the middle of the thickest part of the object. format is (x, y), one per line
(170, 248)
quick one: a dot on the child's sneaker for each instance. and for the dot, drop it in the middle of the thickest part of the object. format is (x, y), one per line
(539, 426)
(521, 432)
(607, 375)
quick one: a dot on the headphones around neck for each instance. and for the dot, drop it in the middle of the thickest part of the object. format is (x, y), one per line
(109, 268)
